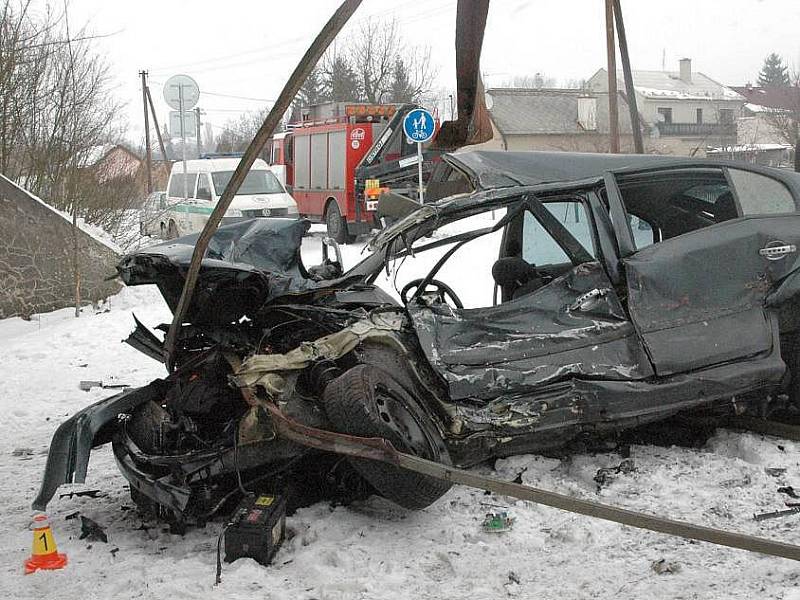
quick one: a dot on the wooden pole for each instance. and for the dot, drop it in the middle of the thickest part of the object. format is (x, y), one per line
(613, 115)
(147, 154)
(630, 92)
(282, 104)
(158, 131)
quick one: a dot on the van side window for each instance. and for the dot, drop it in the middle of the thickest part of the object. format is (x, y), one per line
(203, 187)
(176, 184)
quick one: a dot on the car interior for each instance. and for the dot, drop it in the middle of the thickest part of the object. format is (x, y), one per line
(676, 202)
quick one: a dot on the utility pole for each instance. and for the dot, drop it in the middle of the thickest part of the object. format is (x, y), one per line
(630, 91)
(613, 115)
(197, 130)
(158, 130)
(147, 154)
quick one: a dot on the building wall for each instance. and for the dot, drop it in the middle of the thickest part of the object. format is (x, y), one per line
(678, 146)
(36, 268)
(757, 129)
(685, 111)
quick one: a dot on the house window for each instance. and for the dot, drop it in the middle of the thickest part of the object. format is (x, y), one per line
(726, 115)
(666, 113)
(699, 116)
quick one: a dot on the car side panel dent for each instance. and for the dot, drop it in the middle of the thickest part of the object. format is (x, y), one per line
(532, 341)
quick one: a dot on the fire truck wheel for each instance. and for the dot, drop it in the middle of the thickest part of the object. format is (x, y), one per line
(336, 224)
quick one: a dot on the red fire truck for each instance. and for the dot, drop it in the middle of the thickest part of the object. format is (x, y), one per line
(338, 150)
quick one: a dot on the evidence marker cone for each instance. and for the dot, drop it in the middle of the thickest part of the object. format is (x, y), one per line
(45, 554)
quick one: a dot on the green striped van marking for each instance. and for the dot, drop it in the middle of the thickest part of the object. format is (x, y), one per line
(191, 208)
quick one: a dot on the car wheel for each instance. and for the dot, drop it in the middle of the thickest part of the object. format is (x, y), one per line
(172, 231)
(366, 401)
(336, 224)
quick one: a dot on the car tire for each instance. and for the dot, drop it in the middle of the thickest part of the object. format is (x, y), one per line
(337, 224)
(367, 401)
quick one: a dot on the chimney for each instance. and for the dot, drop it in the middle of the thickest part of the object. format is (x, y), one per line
(686, 70)
(587, 113)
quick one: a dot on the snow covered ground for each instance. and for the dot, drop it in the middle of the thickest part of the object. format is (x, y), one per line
(374, 549)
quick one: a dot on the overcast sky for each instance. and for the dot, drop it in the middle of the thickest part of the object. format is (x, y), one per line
(248, 48)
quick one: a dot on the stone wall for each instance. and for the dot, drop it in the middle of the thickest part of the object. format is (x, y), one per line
(36, 271)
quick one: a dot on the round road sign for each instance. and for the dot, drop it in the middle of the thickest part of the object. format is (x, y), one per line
(419, 125)
(178, 85)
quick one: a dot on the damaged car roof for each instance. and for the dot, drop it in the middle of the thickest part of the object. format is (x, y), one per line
(491, 169)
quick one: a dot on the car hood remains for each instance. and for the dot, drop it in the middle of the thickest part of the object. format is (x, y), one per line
(251, 262)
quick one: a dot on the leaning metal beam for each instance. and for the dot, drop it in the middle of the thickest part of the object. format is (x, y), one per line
(282, 104)
(382, 450)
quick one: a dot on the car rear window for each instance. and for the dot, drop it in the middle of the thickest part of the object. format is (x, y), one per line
(759, 194)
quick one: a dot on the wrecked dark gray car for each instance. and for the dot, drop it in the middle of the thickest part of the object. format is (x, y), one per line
(605, 292)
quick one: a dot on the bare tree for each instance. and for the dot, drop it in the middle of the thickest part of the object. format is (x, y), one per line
(237, 133)
(374, 64)
(56, 103)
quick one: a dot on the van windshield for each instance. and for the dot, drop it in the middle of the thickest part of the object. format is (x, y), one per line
(256, 182)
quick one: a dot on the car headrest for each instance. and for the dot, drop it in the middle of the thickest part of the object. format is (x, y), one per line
(512, 270)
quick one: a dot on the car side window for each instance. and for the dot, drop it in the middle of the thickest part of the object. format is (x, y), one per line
(759, 194)
(203, 188)
(665, 204)
(540, 248)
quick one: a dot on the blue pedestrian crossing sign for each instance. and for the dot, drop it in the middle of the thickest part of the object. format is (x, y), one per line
(419, 125)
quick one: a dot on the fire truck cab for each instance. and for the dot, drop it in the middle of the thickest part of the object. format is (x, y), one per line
(335, 152)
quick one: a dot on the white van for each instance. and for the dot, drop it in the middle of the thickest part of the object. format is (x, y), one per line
(261, 195)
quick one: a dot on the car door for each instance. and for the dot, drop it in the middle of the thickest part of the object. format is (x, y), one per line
(572, 326)
(723, 237)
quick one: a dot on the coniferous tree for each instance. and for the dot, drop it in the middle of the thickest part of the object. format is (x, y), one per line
(341, 81)
(402, 90)
(774, 72)
(313, 89)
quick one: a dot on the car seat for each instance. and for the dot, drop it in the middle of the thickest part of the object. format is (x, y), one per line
(515, 277)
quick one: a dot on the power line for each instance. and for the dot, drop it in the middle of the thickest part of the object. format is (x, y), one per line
(290, 41)
(199, 65)
(221, 95)
(237, 97)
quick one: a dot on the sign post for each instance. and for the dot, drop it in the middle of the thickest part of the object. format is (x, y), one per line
(181, 93)
(419, 127)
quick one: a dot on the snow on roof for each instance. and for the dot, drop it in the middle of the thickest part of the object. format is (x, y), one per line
(758, 108)
(97, 153)
(669, 85)
(95, 233)
(751, 148)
